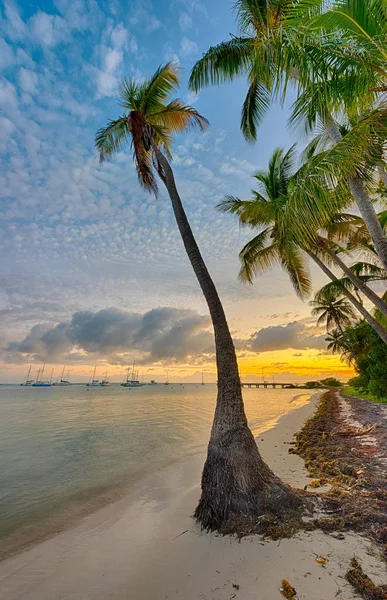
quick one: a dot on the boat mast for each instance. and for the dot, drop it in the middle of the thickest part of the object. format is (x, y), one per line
(64, 366)
(202, 379)
(133, 374)
(41, 375)
(95, 368)
(28, 374)
(52, 372)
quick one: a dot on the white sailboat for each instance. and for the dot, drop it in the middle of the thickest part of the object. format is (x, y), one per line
(40, 382)
(28, 381)
(134, 382)
(63, 381)
(105, 382)
(94, 382)
(167, 379)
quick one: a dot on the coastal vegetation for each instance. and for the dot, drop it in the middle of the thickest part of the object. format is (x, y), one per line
(235, 481)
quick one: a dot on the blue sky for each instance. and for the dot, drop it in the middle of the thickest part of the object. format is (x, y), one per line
(78, 237)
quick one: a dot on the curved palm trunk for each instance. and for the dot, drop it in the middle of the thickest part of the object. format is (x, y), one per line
(370, 294)
(235, 480)
(363, 202)
(376, 326)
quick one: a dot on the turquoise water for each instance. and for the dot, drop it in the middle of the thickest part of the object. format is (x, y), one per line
(65, 451)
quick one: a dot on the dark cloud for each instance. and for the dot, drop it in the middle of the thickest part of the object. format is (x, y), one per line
(293, 335)
(160, 334)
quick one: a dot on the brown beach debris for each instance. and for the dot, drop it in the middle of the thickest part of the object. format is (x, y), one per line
(321, 560)
(363, 585)
(287, 590)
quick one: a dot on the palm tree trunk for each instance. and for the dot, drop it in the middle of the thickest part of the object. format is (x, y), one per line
(370, 294)
(362, 201)
(376, 326)
(235, 480)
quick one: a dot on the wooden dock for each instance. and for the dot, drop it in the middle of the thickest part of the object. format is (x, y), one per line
(267, 384)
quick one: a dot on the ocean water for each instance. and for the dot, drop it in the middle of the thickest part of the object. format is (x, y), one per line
(65, 451)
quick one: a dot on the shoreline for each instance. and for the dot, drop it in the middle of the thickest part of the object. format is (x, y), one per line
(35, 533)
(146, 546)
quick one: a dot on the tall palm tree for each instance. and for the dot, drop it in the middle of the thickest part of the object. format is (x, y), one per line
(276, 47)
(235, 479)
(332, 310)
(277, 242)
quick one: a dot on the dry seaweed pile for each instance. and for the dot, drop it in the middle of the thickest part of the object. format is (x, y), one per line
(334, 452)
(363, 584)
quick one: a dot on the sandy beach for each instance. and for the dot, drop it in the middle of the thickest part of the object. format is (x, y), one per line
(146, 546)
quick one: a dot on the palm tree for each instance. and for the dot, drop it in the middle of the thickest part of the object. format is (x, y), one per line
(276, 47)
(336, 341)
(278, 242)
(272, 245)
(335, 311)
(235, 479)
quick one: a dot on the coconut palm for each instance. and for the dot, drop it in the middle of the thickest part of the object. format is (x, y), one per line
(235, 480)
(276, 47)
(336, 341)
(278, 242)
(332, 310)
(271, 245)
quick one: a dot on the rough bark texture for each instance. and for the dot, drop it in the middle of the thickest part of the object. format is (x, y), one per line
(235, 480)
(382, 333)
(370, 294)
(363, 202)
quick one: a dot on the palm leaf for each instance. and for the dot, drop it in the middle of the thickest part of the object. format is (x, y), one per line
(110, 139)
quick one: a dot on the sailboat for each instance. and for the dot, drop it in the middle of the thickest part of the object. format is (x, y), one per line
(28, 381)
(94, 382)
(105, 382)
(134, 381)
(62, 380)
(167, 382)
(40, 382)
(202, 379)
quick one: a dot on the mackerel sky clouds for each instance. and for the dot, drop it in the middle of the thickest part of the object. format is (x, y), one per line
(78, 238)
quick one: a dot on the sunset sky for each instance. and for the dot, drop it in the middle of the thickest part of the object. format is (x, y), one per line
(92, 269)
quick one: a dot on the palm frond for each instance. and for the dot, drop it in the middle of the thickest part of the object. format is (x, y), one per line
(158, 88)
(254, 109)
(256, 256)
(110, 139)
(222, 63)
(176, 117)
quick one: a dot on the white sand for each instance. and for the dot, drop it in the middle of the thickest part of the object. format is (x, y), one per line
(146, 547)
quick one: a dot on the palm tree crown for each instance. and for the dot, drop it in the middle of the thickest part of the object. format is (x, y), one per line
(275, 243)
(332, 310)
(150, 120)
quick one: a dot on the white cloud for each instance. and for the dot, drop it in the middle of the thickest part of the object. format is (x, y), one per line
(188, 47)
(16, 25)
(28, 80)
(48, 30)
(235, 166)
(116, 41)
(185, 21)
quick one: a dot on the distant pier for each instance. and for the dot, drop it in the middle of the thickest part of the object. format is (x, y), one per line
(266, 384)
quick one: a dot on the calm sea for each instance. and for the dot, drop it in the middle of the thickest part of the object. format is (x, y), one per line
(66, 451)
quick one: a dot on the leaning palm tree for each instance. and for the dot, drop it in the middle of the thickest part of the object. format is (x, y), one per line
(272, 245)
(277, 242)
(335, 312)
(235, 480)
(284, 42)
